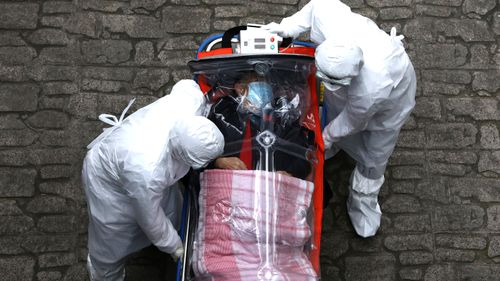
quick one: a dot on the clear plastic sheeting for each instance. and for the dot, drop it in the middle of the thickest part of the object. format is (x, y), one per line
(253, 226)
(255, 215)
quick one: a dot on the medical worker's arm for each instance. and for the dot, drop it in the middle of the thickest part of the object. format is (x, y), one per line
(145, 196)
(359, 109)
(293, 25)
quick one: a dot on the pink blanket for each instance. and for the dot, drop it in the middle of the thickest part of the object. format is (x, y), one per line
(252, 226)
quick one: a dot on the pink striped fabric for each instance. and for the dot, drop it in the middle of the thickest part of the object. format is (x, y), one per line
(252, 226)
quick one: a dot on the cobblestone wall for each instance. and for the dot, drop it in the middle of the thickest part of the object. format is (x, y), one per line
(64, 62)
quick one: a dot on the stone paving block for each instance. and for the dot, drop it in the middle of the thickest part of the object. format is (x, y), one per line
(48, 243)
(49, 36)
(455, 3)
(493, 214)
(367, 245)
(12, 225)
(388, 3)
(17, 55)
(335, 246)
(414, 223)
(270, 9)
(480, 7)
(11, 38)
(480, 189)
(173, 19)
(9, 207)
(434, 11)
(496, 23)
(437, 88)
(458, 218)
(13, 73)
(107, 73)
(49, 119)
(76, 272)
(448, 169)
(56, 171)
(85, 23)
(231, 11)
(427, 108)
(58, 7)
(460, 241)
(17, 182)
(104, 6)
(54, 21)
(148, 5)
(152, 79)
(407, 172)
(106, 51)
(494, 247)
(489, 162)
(67, 189)
(411, 139)
(490, 138)
(375, 268)
(487, 81)
(49, 276)
(60, 55)
(56, 259)
(453, 255)
(409, 242)
(478, 108)
(136, 26)
(415, 258)
(479, 272)
(401, 204)
(24, 137)
(451, 135)
(440, 55)
(19, 268)
(53, 73)
(395, 13)
(11, 245)
(448, 76)
(101, 86)
(452, 157)
(411, 274)
(406, 157)
(14, 97)
(56, 223)
(144, 53)
(18, 15)
(434, 189)
(47, 204)
(440, 272)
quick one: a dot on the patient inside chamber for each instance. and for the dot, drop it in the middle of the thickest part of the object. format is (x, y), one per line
(255, 201)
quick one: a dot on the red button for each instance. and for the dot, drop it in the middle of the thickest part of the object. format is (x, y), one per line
(272, 39)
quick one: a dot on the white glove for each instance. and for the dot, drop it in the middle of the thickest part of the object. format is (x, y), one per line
(275, 28)
(178, 253)
(327, 140)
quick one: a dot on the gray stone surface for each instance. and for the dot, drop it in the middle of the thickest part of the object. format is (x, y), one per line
(62, 63)
(18, 15)
(19, 268)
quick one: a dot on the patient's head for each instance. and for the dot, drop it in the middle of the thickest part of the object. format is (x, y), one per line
(253, 94)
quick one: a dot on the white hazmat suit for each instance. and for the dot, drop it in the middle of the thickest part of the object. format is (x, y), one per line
(366, 117)
(130, 172)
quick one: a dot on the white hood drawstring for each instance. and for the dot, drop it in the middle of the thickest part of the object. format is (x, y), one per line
(110, 120)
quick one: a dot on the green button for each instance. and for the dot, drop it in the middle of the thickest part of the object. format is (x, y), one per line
(272, 47)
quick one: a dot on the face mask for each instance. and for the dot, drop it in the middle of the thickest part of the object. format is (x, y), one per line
(259, 95)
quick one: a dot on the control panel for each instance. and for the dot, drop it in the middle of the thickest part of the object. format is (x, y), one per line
(255, 40)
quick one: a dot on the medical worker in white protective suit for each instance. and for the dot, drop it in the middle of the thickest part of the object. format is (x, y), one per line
(365, 117)
(130, 172)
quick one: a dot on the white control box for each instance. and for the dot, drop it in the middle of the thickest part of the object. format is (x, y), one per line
(255, 40)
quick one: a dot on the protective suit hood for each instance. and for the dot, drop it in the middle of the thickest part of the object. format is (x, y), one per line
(339, 59)
(196, 141)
